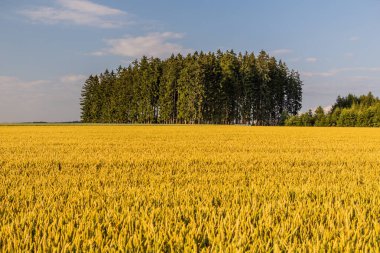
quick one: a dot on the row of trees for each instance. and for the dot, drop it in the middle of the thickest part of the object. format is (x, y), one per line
(363, 111)
(208, 88)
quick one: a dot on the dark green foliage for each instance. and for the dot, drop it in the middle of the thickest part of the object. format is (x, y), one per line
(350, 111)
(168, 89)
(201, 88)
(319, 117)
(91, 100)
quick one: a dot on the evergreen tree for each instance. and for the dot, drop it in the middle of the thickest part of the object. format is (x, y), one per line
(90, 100)
(200, 88)
(190, 90)
(231, 91)
(168, 92)
(348, 111)
(211, 75)
(249, 78)
(319, 118)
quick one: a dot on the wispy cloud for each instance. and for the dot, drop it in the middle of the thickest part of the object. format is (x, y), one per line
(72, 78)
(334, 72)
(79, 12)
(349, 55)
(89, 7)
(7, 83)
(326, 108)
(354, 38)
(40, 100)
(294, 60)
(320, 74)
(311, 59)
(363, 78)
(153, 44)
(282, 51)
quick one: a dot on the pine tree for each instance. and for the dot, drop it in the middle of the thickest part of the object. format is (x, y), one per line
(190, 91)
(248, 75)
(168, 93)
(200, 88)
(231, 92)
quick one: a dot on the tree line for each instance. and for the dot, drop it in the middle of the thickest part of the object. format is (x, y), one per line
(349, 111)
(200, 88)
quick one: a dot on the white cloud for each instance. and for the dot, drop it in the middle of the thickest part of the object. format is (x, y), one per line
(311, 59)
(89, 7)
(98, 53)
(296, 59)
(363, 78)
(318, 91)
(320, 74)
(73, 78)
(79, 12)
(334, 72)
(354, 38)
(283, 51)
(40, 100)
(9, 82)
(349, 55)
(154, 44)
(327, 108)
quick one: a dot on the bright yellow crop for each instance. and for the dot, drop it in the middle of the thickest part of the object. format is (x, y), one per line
(189, 188)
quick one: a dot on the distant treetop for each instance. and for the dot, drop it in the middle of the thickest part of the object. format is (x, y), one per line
(351, 111)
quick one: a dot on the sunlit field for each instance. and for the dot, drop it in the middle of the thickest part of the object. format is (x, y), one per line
(189, 188)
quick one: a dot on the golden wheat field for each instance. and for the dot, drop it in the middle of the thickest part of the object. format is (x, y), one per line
(189, 189)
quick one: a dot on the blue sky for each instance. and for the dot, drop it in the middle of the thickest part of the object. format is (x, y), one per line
(48, 48)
